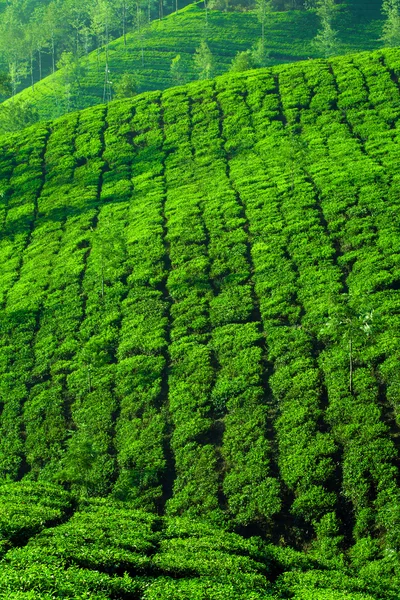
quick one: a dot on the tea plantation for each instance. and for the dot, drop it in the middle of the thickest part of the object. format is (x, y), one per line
(149, 53)
(199, 356)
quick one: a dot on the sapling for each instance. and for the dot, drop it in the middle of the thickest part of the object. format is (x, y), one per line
(352, 328)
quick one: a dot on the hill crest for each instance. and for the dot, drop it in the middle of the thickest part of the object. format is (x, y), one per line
(148, 55)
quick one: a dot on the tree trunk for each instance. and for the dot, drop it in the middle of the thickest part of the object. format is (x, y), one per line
(13, 78)
(86, 42)
(53, 54)
(32, 81)
(124, 23)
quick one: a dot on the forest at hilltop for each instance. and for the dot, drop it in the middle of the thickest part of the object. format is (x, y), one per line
(199, 341)
(62, 55)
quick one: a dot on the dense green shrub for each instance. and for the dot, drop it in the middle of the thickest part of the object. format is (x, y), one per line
(29, 507)
(199, 340)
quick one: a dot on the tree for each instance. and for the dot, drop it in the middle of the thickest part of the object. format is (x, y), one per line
(17, 115)
(391, 27)
(30, 41)
(218, 5)
(326, 39)
(243, 61)
(351, 327)
(259, 54)
(263, 9)
(76, 15)
(5, 87)
(126, 87)
(152, 6)
(203, 61)
(177, 70)
(17, 71)
(140, 20)
(72, 73)
(12, 45)
(101, 19)
(39, 32)
(123, 10)
(53, 24)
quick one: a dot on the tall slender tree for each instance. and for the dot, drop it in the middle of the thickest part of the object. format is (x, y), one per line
(352, 328)
(76, 14)
(13, 47)
(326, 39)
(203, 61)
(177, 70)
(263, 9)
(123, 11)
(30, 42)
(55, 28)
(38, 24)
(391, 26)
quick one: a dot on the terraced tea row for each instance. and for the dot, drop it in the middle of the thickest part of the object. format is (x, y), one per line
(199, 301)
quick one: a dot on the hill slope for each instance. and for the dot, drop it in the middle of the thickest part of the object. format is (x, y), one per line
(149, 55)
(200, 320)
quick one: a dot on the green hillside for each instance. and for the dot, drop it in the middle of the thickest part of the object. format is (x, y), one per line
(199, 327)
(289, 38)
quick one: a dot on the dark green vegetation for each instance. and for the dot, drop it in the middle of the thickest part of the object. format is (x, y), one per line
(148, 54)
(199, 326)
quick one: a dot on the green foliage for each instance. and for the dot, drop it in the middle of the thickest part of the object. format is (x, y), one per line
(17, 115)
(126, 87)
(27, 508)
(259, 55)
(5, 87)
(148, 50)
(326, 39)
(391, 26)
(107, 549)
(263, 10)
(177, 70)
(243, 61)
(203, 61)
(199, 301)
